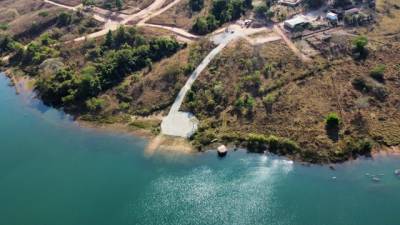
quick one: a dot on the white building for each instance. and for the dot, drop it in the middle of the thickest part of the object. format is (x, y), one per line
(296, 22)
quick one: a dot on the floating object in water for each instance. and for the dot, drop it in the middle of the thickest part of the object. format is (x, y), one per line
(376, 179)
(222, 151)
(397, 172)
(334, 178)
(367, 174)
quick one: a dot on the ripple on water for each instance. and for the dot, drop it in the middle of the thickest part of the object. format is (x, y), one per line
(209, 196)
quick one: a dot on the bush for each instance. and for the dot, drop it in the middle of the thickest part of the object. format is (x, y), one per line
(332, 121)
(95, 104)
(277, 145)
(196, 5)
(64, 19)
(360, 147)
(359, 44)
(378, 72)
(372, 88)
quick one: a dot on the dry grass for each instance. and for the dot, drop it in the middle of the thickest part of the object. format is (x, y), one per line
(181, 15)
(306, 94)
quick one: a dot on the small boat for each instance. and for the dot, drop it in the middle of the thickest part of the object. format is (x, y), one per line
(397, 172)
(376, 179)
(222, 151)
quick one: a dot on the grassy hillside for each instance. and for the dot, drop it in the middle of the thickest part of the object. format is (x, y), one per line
(268, 91)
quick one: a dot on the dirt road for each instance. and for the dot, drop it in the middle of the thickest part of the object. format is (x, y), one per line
(291, 45)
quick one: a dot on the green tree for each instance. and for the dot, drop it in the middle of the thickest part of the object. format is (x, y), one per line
(196, 5)
(109, 42)
(332, 121)
(87, 2)
(248, 4)
(119, 4)
(64, 19)
(200, 26)
(359, 44)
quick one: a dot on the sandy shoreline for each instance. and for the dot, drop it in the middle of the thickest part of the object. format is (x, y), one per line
(24, 85)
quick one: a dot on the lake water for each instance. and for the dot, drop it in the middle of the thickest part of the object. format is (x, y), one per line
(54, 173)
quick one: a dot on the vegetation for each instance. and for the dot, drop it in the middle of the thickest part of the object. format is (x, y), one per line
(332, 121)
(378, 72)
(196, 5)
(119, 55)
(222, 11)
(359, 47)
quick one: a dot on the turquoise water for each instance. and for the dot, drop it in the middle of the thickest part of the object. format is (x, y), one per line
(54, 173)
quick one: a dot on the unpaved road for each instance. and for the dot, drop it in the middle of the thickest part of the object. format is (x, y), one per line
(74, 8)
(291, 45)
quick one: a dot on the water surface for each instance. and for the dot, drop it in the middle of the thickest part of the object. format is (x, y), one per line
(54, 173)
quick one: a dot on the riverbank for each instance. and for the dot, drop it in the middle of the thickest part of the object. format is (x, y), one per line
(25, 85)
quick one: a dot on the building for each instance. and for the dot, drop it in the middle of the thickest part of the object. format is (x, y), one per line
(332, 17)
(298, 23)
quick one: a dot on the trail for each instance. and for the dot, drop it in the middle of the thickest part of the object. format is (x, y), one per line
(176, 30)
(291, 45)
(73, 8)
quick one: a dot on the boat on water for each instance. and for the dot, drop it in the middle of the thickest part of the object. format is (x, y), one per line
(222, 151)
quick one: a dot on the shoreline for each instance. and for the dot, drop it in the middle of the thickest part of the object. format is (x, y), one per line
(156, 143)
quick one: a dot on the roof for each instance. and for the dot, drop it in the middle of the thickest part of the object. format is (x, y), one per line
(332, 16)
(296, 21)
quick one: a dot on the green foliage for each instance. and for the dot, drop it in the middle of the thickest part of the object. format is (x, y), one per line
(196, 5)
(64, 19)
(332, 121)
(95, 104)
(355, 148)
(200, 26)
(88, 2)
(43, 14)
(373, 88)
(277, 145)
(269, 99)
(7, 44)
(119, 4)
(222, 11)
(261, 11)
(378, 72)
(3, 26)
(122, 54)
(359, 44)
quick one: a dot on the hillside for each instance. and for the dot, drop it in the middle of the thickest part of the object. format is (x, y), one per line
(327, 93)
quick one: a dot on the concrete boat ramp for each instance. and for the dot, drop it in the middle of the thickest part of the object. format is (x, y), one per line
(185, 124)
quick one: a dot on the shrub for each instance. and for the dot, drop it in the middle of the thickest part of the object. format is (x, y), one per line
(332, 121)
(373, 88)
(64, 19)
(3, 26)
(359, 44)
(378, 72)
(95, 104)
(277, 145)
(269, 99)
(43, 14)
(360, 147)
(196, 5)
